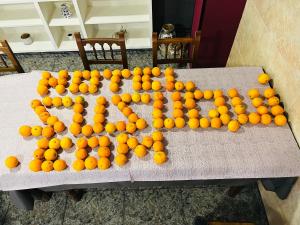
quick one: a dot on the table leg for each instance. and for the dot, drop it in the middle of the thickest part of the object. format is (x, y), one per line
(234, 191)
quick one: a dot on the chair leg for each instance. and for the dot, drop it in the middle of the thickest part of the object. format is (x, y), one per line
(234, 191)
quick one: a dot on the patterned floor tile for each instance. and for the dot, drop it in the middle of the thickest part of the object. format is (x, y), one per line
(50, 213)
(4, 204)
(153, 206)
(96, 207)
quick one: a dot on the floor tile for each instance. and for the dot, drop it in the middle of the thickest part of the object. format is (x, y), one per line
(50, 213)
(96, 207)
(153, 206)
(70, 61)
(4, 204)
(39, 61)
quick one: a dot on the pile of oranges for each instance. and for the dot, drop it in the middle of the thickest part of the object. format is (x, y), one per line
(185, 113)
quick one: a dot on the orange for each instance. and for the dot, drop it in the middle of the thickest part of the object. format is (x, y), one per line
(176, 96)
(90, 163)
(254, 118)
(232, 92)
(78, 165)
(114, 87)
(95, 73)
(127, 111)
(35, 165)
(177, 113)
(263, 78)
(46, 74)
(137, 71)
(48, 132)
(141, 124)
(122, 138)
(216, 123)
(269, 92)
(35, 103)
(169, 71)
(190, 86)
(74, 88)
(204, 123)
(188, 94)
(280, 120)
(78, 108)
(11, 162)
(59, 127)
(98, 128)
(146, 78)
(256, 102)
(107, 74)
(156, 71)
(121, 159)
(78, 118)
(179, 85)
(86, 74)
(99, 118)
(62, 81)
(130, 128)
(225, 118)
(66, 143)
(177, 105)
(67, 101)
(76, 80)
(158, 96)
(121, 105)
(140, 151)
(157, 113)
(137, 78)
(170, 79)
(75, 129)
(208, 94)
(81, 153)
(213, 113)
(54, 143)
(99, 109)
(103, 163)
(169, 123)
(93, 142)
(145, 98)
(104, 152)
(43, 143)
(122, 148)
(110, 128)
(146, 85)
(77, 73)
(160, 157)
(158, 123)
(53, 82)
(193, 123)
(95, 81)
(136, 97)
(87, 130)
(156, 85)
(170, 86)
(121, 125)
(219, 101)
(147, 141)
(242, 118)
(52, 120)
(104, 141)
(83, 88)
(116, 99)
(253, 93)
(276, 110)
(133, 117)
(236, 101)
(190, 103)
(81, 142)
(50, 154)
(158, 146)
(132, 142)
(59, 165)
(47, 166)
(273, 101)
(240, 109)
(136, 86)
(198, 94)
(43, 82)
(262, 109)
(63, 74)
(266, 119)
(223, 109)
(47, 101)
(233, 126)
(60, 89)
(126, 97)
(126, 73)
(25, 131)
(115, 79)
(36, 131)
(147, 70)
(40, 109)
(218, 93)
(92, 89)
(179, 122)
(116, 72)
(44, 116)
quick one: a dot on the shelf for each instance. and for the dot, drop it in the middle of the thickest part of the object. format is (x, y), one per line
(116, 11)
(19, 15)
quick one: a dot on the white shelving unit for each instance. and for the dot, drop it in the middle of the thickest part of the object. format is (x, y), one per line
(42, 19)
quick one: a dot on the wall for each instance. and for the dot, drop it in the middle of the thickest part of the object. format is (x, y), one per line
(269, 36)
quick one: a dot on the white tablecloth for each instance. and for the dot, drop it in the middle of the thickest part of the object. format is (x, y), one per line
(253, 152)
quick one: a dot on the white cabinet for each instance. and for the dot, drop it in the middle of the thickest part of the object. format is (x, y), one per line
(50, 31)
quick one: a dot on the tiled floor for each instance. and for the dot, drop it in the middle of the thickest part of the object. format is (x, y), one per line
(128, 206)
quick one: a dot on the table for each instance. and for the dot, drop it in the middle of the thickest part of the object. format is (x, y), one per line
(253, 152)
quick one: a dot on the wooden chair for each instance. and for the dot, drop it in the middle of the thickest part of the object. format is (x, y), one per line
(5, 48)
(179, 46)
(81, 42)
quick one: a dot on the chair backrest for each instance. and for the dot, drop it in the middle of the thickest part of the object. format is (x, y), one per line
(5, 48)
(175, 50)
(106, 57)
